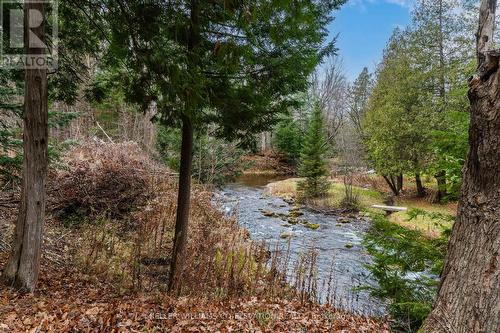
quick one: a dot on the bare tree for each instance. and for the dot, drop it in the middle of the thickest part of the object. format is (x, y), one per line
(329, 88)
(469, 295)
(351, 160)
(358, 95)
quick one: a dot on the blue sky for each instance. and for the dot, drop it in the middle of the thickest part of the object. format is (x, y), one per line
(364, 26)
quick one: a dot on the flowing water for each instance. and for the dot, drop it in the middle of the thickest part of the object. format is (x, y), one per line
(337, 243)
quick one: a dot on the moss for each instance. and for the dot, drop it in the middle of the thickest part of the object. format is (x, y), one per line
(295, 213)
(285, 235)
(313, 226)
(269, 214)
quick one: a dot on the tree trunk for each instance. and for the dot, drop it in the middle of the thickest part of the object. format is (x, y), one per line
(184, 194)
(441, 175)
(420, 188)
(393, 184)
(23, 266)
(183, 205)
(469, 295)
(399, 182)
(441, 186)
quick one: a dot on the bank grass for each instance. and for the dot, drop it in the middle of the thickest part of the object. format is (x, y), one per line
(288, 189)
(432, 219)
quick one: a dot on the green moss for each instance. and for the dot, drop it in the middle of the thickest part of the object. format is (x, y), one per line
(313, 226)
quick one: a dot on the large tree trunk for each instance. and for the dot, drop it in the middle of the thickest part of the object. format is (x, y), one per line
(24, 263)
(469, 295)
(183, 205)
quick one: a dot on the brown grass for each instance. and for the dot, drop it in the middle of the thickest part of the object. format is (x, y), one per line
(267, 163)
(131, 248)
(371, 190)
(113, 264)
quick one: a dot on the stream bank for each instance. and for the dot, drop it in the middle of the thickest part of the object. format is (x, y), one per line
(341, 257)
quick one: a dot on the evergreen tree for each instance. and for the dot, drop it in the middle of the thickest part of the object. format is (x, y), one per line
(396, 125)
(234, 64)
(288, 139)
(313, 166)
(416, 120)
(11, 91)
(441, 51)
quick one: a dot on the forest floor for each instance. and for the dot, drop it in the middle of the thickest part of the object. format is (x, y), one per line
(69, 300)
(371, 190)
(105, 260)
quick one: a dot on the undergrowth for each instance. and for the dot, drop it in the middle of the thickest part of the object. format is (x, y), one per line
(407, 267)
(122, 207)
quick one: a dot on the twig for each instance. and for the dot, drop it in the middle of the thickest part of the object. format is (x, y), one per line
(102, 129)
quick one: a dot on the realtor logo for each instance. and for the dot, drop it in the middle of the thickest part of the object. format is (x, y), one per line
(13, 48)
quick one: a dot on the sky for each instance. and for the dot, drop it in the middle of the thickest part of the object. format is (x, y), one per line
(364, 27)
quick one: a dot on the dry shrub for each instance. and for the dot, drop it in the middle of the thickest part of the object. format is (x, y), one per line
(131, 248)
(267, 163)
(102, 179)
(375, 182)
(131, 202)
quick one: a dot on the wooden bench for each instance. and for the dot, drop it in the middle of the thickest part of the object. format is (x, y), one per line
(390, 209)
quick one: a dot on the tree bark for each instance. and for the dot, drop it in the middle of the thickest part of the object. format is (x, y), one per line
(393, 184)
(469, 295)
(399, 182)
(183, 205)
(184, 194)
(441, 186)
(23, 266)
(420, 188)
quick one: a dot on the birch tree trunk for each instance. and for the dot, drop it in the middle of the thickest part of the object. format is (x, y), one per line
(24, 263)
(469, 295)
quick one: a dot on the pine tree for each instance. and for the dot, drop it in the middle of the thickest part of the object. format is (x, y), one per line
(234, 64)
(288, 139)
(313, 166)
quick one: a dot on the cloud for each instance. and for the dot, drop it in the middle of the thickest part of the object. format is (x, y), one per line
(402, 3)
(362, 3)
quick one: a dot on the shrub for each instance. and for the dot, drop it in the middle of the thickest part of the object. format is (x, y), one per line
(131, 201)
(406, 267)
(101, 179)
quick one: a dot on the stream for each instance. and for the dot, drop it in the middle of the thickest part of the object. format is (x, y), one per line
(337, 241)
